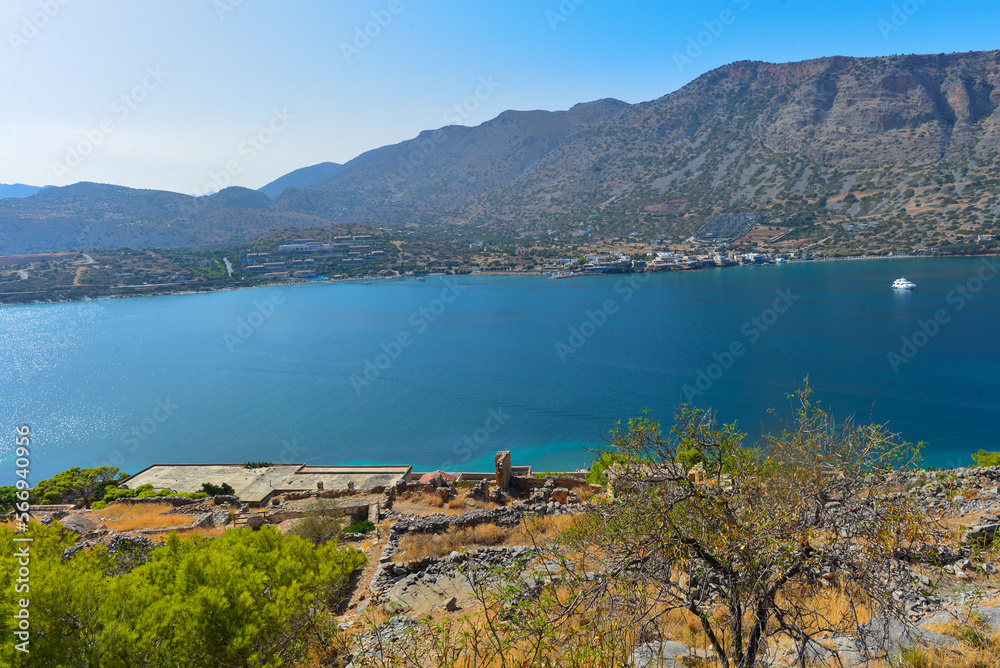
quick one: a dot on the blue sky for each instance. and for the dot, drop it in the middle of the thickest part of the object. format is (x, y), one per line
(168, 94)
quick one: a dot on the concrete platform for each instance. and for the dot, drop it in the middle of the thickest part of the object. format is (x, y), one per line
(256, 485)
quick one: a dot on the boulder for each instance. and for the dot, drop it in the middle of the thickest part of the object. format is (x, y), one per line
(78, 524)
(889, 637)
(835, 651)
(658, 654)
(255, 522)
(990, 617)
(984, 530)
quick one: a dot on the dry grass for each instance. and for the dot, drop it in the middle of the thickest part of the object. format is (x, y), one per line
(157, 522)
(211, 532)
(984, 652)
(542, 530)
(533, 531)
(419, 545)
(423, 503)
(118, 511)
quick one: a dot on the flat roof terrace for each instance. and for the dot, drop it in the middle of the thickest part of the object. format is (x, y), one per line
(256, 485)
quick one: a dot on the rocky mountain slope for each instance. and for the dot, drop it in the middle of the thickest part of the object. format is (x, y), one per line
(300, 178)
(911, 142)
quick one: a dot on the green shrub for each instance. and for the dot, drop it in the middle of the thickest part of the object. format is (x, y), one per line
(690, 457)
(320, 524)
(8, 497)
(225, 489)
(984, 458)
(257, 465)
(99, 505)
(607, 459)
(246, 598)
(115, 493)
(364, 526)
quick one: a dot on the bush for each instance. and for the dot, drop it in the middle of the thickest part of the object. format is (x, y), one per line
(8, 496)
(984, 458)
(608, 458)
(246, 598)
(225, 489)
(99, 505)
(319, 523)
(115, 493)
(257, 465)
(364, 526)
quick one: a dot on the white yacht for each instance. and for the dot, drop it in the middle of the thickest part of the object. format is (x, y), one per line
(903, 284)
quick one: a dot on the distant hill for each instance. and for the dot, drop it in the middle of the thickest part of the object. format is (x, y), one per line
(93, 215)
(300, 178)
(241, 197)
(912, 142)
(17, 190)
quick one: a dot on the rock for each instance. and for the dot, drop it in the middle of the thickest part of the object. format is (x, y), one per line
(989, 616)
(560, 495)
(984, 531)
(989, 568)
(255, 522)
(78, 524)
(888, 637)
(658, 654)
(451, 605)
(836, 651)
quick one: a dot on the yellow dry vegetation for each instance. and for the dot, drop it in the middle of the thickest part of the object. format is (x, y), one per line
(156, 522)
(532, 531)
(423, 502)
(117, 511)
(977, 651)
(211, 532)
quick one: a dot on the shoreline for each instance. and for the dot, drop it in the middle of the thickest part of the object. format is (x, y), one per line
(297, 283)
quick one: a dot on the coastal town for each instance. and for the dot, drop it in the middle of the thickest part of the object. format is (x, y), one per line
(382, 252)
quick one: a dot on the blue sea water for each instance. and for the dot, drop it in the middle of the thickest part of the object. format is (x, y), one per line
(445, 372)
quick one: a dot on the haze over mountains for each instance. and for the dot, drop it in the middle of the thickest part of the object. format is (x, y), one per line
(17, 190)
(911, 139)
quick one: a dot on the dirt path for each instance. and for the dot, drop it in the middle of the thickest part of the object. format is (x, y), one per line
(79, 272)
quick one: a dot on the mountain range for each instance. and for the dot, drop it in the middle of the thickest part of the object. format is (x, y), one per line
(912, 140)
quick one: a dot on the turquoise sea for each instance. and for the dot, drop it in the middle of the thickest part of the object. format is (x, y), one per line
(445, 372)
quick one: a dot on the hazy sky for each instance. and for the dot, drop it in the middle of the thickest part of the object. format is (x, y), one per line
(174, 95)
